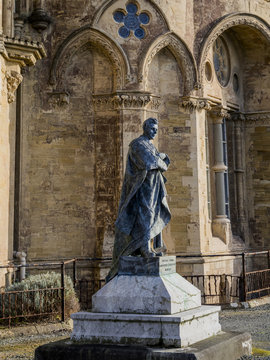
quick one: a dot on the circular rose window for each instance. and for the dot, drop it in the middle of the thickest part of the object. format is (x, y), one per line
(221, 61)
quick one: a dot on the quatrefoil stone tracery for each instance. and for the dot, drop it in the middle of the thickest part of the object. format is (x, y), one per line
(132, 21)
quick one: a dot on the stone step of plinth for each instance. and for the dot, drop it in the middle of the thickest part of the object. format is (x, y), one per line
(225, 346)
(176, 330)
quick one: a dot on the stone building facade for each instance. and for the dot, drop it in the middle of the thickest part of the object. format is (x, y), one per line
(100, 68)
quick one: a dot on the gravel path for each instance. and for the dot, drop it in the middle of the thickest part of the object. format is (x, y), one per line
(23, 347)
(256, 321)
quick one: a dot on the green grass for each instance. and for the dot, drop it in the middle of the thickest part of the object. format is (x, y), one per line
(261, 352)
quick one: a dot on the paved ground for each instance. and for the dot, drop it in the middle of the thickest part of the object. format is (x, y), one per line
(256, 321)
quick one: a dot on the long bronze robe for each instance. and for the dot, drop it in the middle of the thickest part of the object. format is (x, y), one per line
(143, 209)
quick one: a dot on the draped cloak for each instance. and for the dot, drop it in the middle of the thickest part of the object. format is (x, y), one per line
(143, 208)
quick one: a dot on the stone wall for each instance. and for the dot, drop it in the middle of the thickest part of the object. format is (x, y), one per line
(258, 153)
(83, 104)
(71, 153)
(14, 56)
(86, 144)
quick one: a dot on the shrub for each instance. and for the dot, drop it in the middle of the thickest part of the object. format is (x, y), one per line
(36, 302)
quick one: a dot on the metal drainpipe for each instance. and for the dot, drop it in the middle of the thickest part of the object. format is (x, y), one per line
(22, 257)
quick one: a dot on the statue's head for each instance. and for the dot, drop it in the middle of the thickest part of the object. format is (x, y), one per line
(150, 128)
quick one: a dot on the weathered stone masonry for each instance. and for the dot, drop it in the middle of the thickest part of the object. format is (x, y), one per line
(202, 68)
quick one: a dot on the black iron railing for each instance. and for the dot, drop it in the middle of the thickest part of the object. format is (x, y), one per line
(255, 283)
(15, 304)
(215, 289)
(29, 303)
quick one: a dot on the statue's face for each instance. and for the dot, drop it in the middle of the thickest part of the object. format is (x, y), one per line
(151, 131)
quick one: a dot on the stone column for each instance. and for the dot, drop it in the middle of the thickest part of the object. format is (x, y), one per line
(219, 168)
(199, 229)
(1, 17)
(8, 9)
(221, 223)
(24, 7)
(239, 170)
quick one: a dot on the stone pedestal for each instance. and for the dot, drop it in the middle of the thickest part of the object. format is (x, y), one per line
(147, 286)
(148, 312)
(224, 346)
(178, 330)
(148, 303)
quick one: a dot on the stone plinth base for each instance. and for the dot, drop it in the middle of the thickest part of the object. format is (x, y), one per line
(147, 286)
(177, 330)
(225, 346)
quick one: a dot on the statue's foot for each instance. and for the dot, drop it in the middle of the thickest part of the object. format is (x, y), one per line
(161, 251)
(146, 252)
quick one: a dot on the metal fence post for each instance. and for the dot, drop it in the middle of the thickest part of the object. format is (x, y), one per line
(268, 257)
(74, 272)
(244, 277)
(63, 291)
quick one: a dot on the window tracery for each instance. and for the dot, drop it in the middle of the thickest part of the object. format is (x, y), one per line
(132, 21)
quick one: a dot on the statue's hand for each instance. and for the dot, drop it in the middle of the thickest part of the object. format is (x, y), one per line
(162, 165)
(165, 158)
(162, 156)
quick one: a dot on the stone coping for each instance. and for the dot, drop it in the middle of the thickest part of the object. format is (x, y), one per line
(182, 316)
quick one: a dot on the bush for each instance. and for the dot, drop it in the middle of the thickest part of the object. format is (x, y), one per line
(36, 302)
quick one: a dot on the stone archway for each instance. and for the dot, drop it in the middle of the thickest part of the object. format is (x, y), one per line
(98, 39)
(182, 55)
(246, 96)
(226, 23)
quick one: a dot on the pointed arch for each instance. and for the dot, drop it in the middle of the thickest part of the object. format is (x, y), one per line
(226, 23)
(94, 37)
(182, 55)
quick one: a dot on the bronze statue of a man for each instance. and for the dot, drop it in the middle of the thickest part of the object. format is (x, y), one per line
(143, 209)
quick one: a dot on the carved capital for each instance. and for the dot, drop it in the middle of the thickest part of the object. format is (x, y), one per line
(218, 113)
(13, 81)
(154, 102)
(58, 98)
(103, 102)
(195, 103)
(127, 100)
(259, 118)
(131, 100)
(237, 117)
(23, 52)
